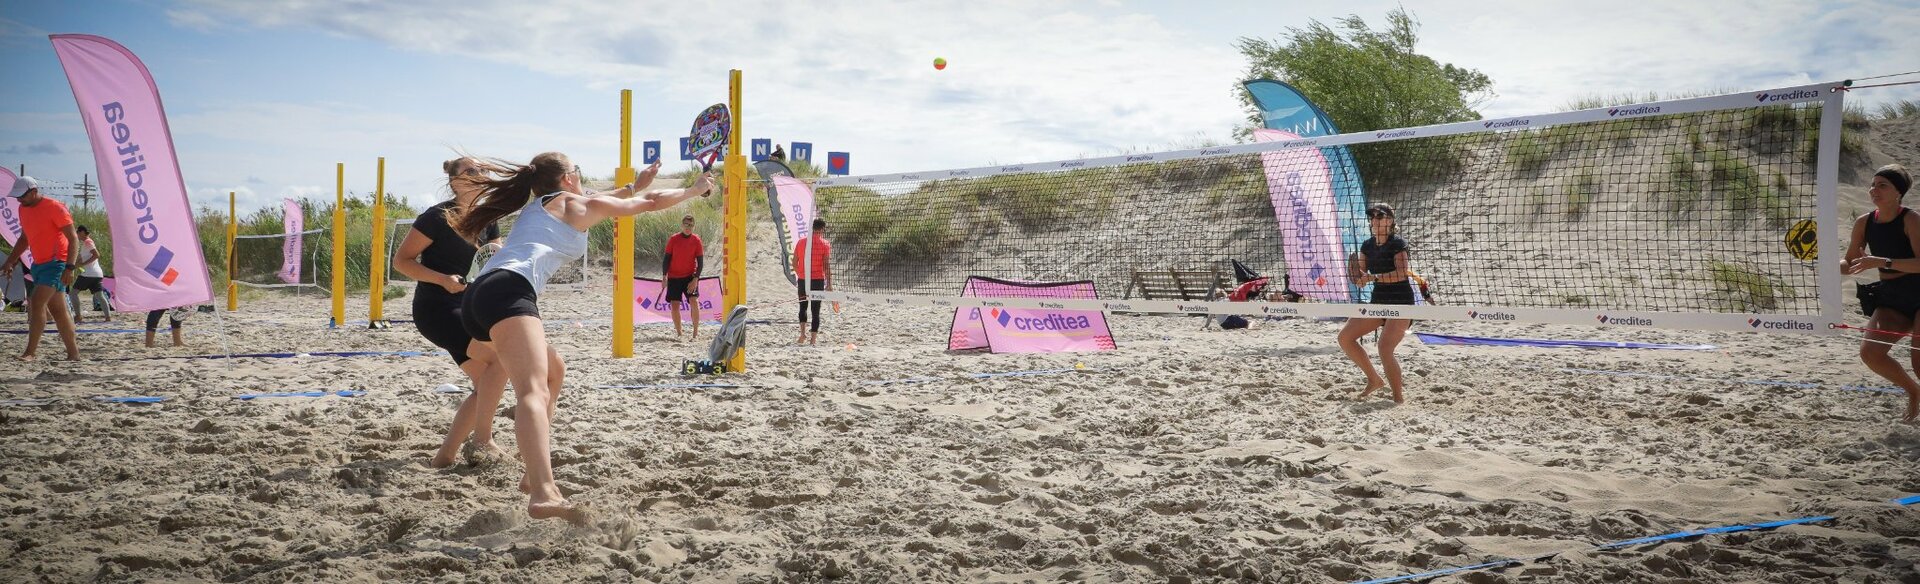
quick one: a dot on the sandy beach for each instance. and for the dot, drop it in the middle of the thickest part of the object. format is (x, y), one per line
(1187, 455)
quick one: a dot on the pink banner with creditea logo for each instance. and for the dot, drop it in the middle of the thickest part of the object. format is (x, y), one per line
(1301, 185)
(1029, 330)
(156, 252)
(650, 301)
(10, 216)
(294, 222)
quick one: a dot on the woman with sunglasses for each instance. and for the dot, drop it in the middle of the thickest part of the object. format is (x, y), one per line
(437, 260)
(1382, 261)
(501, 306)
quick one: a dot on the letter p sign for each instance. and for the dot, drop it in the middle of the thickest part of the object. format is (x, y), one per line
(649, 152)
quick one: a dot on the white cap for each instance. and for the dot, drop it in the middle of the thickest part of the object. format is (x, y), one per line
(22, 185)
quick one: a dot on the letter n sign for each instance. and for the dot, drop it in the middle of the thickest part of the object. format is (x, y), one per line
(686, 151)
(837, 163)
(801, 151)
(762, 148)
(649, 152)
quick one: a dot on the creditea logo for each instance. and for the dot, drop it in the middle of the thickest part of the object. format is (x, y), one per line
(1624, 320)
(1213, 151)
(1499, 316)
(1785, 324)
(910, 177)
(1399, 134)
(1012, 168)
(959, 172)
(132, 168)
(1192, 308)
(1788, 96)
(1051, 322)
(1509, 124)
(1298, 143)
(1074, 164)
(1379, 313)
(1633, 111)
(1116, 306)
(1279, 310)
(1138, 158)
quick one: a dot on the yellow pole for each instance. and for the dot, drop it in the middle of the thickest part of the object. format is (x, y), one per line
(377, 279)
(339, 244)
(233, 234)
(623, 239)
(734, 246)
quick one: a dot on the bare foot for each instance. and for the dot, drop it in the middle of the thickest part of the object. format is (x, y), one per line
(484, 453)
(439, 462)
(26, 357)
(1369, 391)
(1399, 398)
(578, 514)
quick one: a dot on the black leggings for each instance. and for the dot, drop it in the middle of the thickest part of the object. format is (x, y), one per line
(153, 320)
(816, 285)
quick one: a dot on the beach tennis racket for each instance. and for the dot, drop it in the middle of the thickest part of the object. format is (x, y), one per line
(709, 135)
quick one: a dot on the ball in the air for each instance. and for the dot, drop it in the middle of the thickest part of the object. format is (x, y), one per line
(939, 63)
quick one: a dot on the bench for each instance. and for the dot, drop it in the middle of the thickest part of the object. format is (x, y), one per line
(1177, 284)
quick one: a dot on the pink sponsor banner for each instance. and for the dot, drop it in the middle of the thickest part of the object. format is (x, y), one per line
(1300, 183)
(294, 222)
(156, 253)
(1024, 330)
(794, 199)
(10, 215)
(650, 301)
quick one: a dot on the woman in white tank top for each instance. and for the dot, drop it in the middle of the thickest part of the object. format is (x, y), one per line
(500, 308)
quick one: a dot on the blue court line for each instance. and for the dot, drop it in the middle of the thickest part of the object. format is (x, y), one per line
(135, 399)
(1765, 382)
(1904, 501)
(1027, 373)
(288, 355)
(29, 401)
(670, 386)
(341, 393)
(1505, 562)
(907, 380)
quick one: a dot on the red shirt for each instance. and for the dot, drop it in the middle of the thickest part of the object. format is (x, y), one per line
(820, 251)
(683, 253)
(42, 224)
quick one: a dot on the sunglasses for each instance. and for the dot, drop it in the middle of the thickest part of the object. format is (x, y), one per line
(1376, 214)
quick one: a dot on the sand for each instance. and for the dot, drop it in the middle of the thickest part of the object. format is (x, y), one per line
(1186, 455)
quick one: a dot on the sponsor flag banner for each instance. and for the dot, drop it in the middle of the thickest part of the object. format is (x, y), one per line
(10, 216)
(1029, 330)
(1284, 108)
(791, 202)
(1299, 183)
(294, 221)
(156, 253)
(651, 306)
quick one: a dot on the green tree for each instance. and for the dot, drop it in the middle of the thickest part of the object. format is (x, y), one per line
(1365, 79)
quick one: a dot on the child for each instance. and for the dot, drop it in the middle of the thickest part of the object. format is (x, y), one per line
(174, 316)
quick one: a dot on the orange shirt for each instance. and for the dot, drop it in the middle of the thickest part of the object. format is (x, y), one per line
(43, 223)
(820, 251)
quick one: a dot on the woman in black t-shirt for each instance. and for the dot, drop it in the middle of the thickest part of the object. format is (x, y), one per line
(1382, 261)
(438, 260)
(1885, 240)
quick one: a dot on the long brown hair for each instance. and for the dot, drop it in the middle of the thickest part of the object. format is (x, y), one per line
(506, 187)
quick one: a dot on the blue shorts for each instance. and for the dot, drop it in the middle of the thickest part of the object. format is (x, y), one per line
(48, 273)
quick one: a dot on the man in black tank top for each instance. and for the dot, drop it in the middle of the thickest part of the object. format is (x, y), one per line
(1883, 243)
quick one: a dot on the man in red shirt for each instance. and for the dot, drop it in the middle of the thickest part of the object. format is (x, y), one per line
(813, 272)
(681, 264)
(46, 229)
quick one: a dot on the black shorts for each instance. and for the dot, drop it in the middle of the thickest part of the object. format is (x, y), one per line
(1901, 295)
(1393, 292)
(682, 288)
(87, 284)
(493, 297)
(437, 315)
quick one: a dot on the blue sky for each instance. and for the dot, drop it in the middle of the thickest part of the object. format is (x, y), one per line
(265, 96)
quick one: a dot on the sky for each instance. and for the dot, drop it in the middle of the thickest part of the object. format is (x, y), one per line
(265, 96)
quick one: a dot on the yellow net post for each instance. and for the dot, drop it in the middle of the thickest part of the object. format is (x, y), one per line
(377, 281)
(233, 234)
(734, 246)
(339, 245)
(623, 239)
